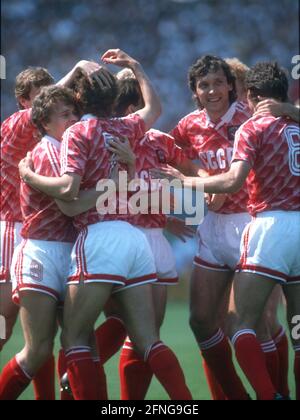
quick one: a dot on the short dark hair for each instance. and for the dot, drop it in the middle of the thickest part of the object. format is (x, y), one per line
(129, 93)
(46, 101)
(268, 80)
(211, 64)
(29, 78)
(93, 98)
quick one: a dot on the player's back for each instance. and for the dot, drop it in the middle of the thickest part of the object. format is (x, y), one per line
(273, 149)
(18, 136)
(84, 152)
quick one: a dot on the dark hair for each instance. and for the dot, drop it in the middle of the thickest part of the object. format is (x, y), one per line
(268, 80)
(46, 101)
(129, 93)
(211, 64)
(29, 78)
(93, 98)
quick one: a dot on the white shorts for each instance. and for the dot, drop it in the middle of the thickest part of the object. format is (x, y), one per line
(10, 239)
(41, 266)
(270, 246)
(163, 256)
(112, 252)
(219, 241)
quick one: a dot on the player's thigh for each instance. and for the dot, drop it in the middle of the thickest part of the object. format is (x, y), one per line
(7, 308)
(83, 304)
(38, 314)
(208, 290)
(292, 294)
(138, 313)
(251, 293)
(160, 296)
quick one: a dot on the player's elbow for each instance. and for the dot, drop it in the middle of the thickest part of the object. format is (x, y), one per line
(68, 193)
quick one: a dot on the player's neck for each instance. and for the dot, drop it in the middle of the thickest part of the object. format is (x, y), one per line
(217, 115)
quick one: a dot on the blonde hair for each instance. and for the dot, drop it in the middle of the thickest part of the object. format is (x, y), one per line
(238, 68)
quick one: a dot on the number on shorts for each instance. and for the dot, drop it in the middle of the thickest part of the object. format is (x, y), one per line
(292, 136)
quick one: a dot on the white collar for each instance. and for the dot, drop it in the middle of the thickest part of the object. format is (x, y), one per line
(87, 117)
(52, 140)
(224, 119)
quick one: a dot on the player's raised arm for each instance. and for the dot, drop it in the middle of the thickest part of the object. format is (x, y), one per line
(152, 108)
(88, 67)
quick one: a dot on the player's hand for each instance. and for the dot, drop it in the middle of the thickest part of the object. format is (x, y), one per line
(269, 106)
(122, 150)
(25, 166)
(214, 201)
(178, 228)
(118, 58)
(169, 173)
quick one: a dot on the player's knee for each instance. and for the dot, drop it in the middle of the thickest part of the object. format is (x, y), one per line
(37, 353)
(201, 325)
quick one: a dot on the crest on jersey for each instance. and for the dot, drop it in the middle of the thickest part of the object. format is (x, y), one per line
(161, 156)
(231, 130)
(36, 271)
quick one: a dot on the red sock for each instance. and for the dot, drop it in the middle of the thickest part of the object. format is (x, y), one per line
(297, 372)
(110, 337)
(61, 370)
(272, 361)
(101, 371)
(135, 374)
(85, 380)
(218, 355)
(13, 381)
(166, 368)
(251, 359)
(215, 388)
(43, 381)
(282, 345)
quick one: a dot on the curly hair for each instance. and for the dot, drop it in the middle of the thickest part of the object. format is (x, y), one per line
(93, 98)
(46, 101)
(211, 64)
(29, 78)
(268, 80)
(129, 93)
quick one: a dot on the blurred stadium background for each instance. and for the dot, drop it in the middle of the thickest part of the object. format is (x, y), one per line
(166, 36)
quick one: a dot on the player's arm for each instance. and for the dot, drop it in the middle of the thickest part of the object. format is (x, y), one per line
(85, 201)
(88, 67)
(178, 228)
(278, 109)
(228, 182)
(65, 187)
(152, 108)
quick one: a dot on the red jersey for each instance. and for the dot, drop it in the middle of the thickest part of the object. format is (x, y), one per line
(18, 136)
(42, 219)
(155, 150)
(272, 148)
(84, 152)
(212, 144)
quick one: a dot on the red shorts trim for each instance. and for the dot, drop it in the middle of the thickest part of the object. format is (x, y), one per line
(210, 266)
(276, 275)
(36, 288)
(108, 278)
(167, 281)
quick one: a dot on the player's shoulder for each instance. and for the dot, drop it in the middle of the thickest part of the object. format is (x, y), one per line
(22, 116)
(154, 135)
(194, 116)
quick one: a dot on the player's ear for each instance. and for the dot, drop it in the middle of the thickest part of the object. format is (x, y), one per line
(23, 102)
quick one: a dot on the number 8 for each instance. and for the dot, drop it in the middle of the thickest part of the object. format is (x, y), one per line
(292, 136)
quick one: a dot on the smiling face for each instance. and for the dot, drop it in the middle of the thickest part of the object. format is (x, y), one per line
(60, 119)
(212, 91)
